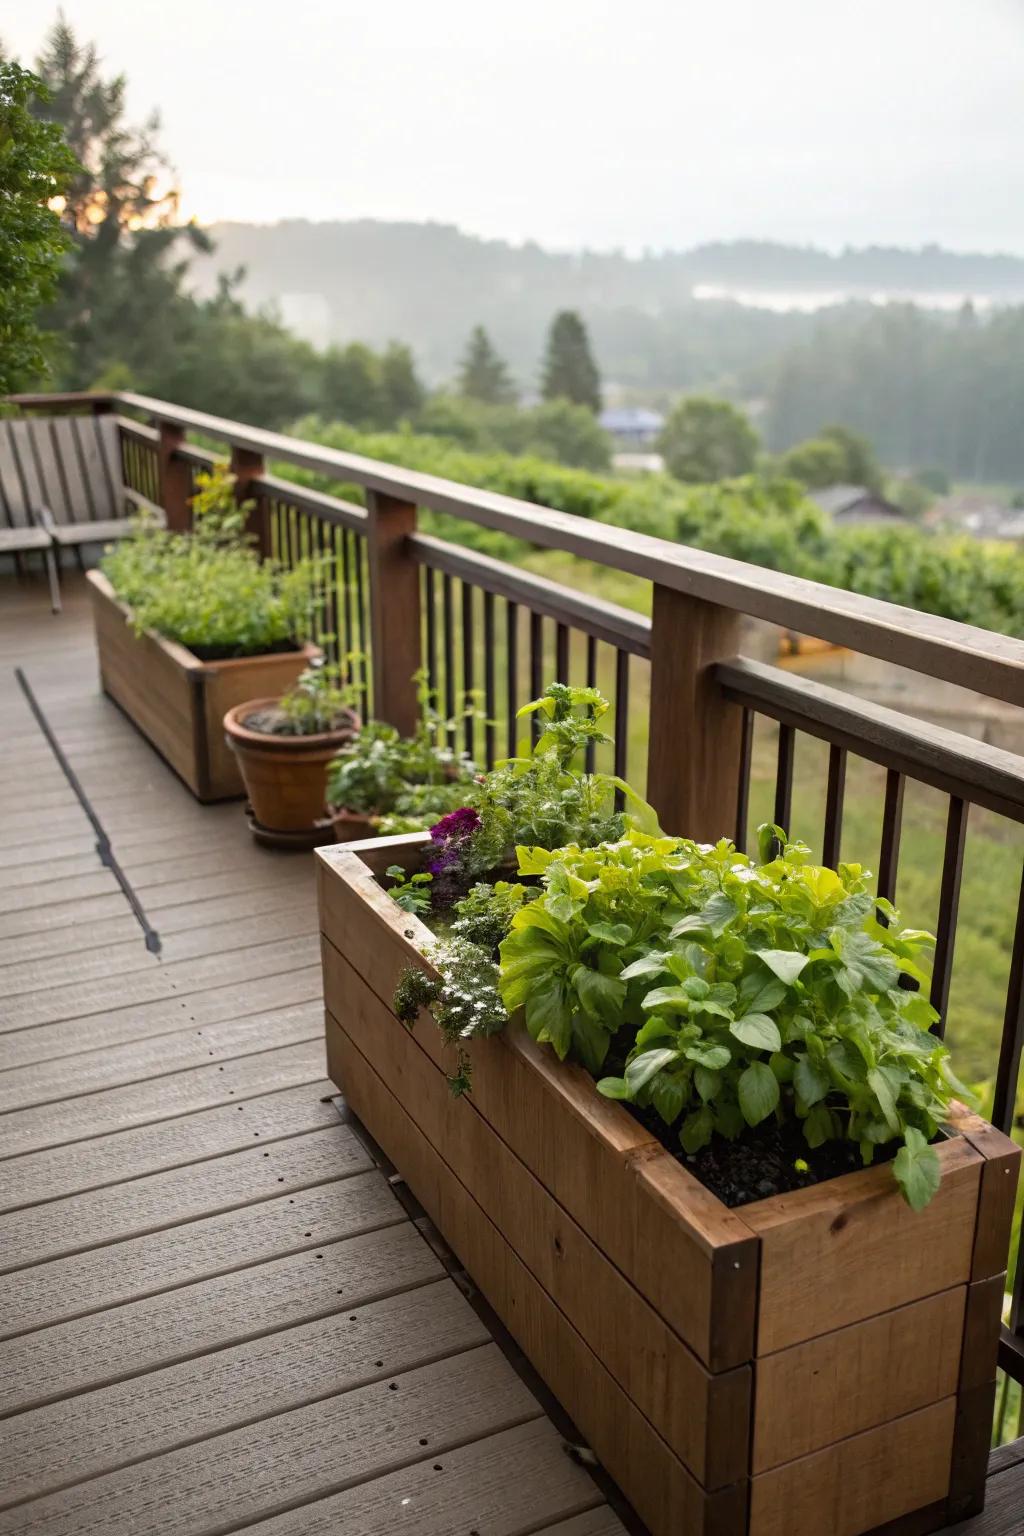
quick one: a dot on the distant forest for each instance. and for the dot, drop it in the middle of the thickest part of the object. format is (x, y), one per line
(928, 387)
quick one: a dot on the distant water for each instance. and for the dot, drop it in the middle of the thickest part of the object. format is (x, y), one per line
(808, 300)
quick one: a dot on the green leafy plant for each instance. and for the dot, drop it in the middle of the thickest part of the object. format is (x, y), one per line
(322, 699)
(407, 782)
(208, 589)
(541, 797)
(746, 990)
(484, 916)
(411, 892)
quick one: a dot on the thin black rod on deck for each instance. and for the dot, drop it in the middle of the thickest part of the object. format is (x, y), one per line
(834, 798)
(104, 849)
(784, 778)
(1012, 1040)
(743, 792)
(949, 901)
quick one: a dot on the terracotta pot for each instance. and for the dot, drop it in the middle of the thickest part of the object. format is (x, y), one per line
(350, 826)
(285, 776)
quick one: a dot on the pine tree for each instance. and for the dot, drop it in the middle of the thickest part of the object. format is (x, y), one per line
(482, 373)
(570, 372)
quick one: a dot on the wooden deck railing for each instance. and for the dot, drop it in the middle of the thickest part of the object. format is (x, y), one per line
(402, 599)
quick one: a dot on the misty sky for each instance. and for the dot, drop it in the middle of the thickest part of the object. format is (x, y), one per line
(583, 122)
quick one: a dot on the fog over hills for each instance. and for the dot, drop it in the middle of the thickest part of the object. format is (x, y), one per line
(661, 320)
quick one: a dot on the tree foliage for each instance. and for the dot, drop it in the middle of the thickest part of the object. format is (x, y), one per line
(816, 463)
(706, 439)
(36, 168)
(483, 375)
(570, 372)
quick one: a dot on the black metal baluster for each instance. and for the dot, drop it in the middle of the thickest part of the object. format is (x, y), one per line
(743, 792)
(363, 646)
(784, 778)
(536, 670)
(892, 829)
(490, 696)
(590, 756)
(448, 629)
(562, 653)
(949, 901)
(347, 541)
(621, 721)
(468, 670)
(1012, 1040)
(834, 797)
(512, 672)
(430, 604)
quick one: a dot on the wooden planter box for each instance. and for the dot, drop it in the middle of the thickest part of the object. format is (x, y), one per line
(179, 702)
(816, 1364)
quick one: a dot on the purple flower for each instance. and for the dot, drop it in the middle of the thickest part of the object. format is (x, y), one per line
(449, 836)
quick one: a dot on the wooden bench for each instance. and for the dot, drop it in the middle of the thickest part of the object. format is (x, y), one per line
(61, 487)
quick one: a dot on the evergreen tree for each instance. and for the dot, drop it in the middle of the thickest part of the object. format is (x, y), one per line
(35, 169)
(570, 372)
(401, 390)
(482, 373)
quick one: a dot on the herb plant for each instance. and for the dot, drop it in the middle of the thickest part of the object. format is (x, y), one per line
(406, 781)
(411, 892)
(465, 1001)
(744, 990)
(539, 798)
(322, 699)
(208, 589)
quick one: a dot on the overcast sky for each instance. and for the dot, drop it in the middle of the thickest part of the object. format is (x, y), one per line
(585, 122)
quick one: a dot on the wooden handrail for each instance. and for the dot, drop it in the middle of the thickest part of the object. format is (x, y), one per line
(974, 658)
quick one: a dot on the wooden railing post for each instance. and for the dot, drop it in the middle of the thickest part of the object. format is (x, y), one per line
(175, 480)
(246, 467)
(394, 610)
(694, 742)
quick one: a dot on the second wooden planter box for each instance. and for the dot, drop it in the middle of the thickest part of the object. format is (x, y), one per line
(179, 702)
(815, 1364)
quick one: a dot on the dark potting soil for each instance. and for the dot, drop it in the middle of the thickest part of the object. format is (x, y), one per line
(232, 653)
(763, 1160)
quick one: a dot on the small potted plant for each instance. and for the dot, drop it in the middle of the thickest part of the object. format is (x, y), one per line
(386, 783)
(284, 746)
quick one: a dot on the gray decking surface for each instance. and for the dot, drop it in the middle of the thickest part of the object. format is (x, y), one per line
(215, 1314)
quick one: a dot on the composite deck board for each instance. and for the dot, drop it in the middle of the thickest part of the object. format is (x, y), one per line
(96, 1432)
(143, 1266)
(143, 1103)
(80, 1000)
(292, 920)
(282, 987)
(142, 1336)
(236, 1478)
(160, 1200)
(184, 1137)
(95, 929)
(89, 1073)
(470, 1493)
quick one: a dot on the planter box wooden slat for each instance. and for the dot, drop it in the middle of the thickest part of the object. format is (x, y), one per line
(844, 1313)
(665, 1494)
(179, 702)
(681, 1398)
